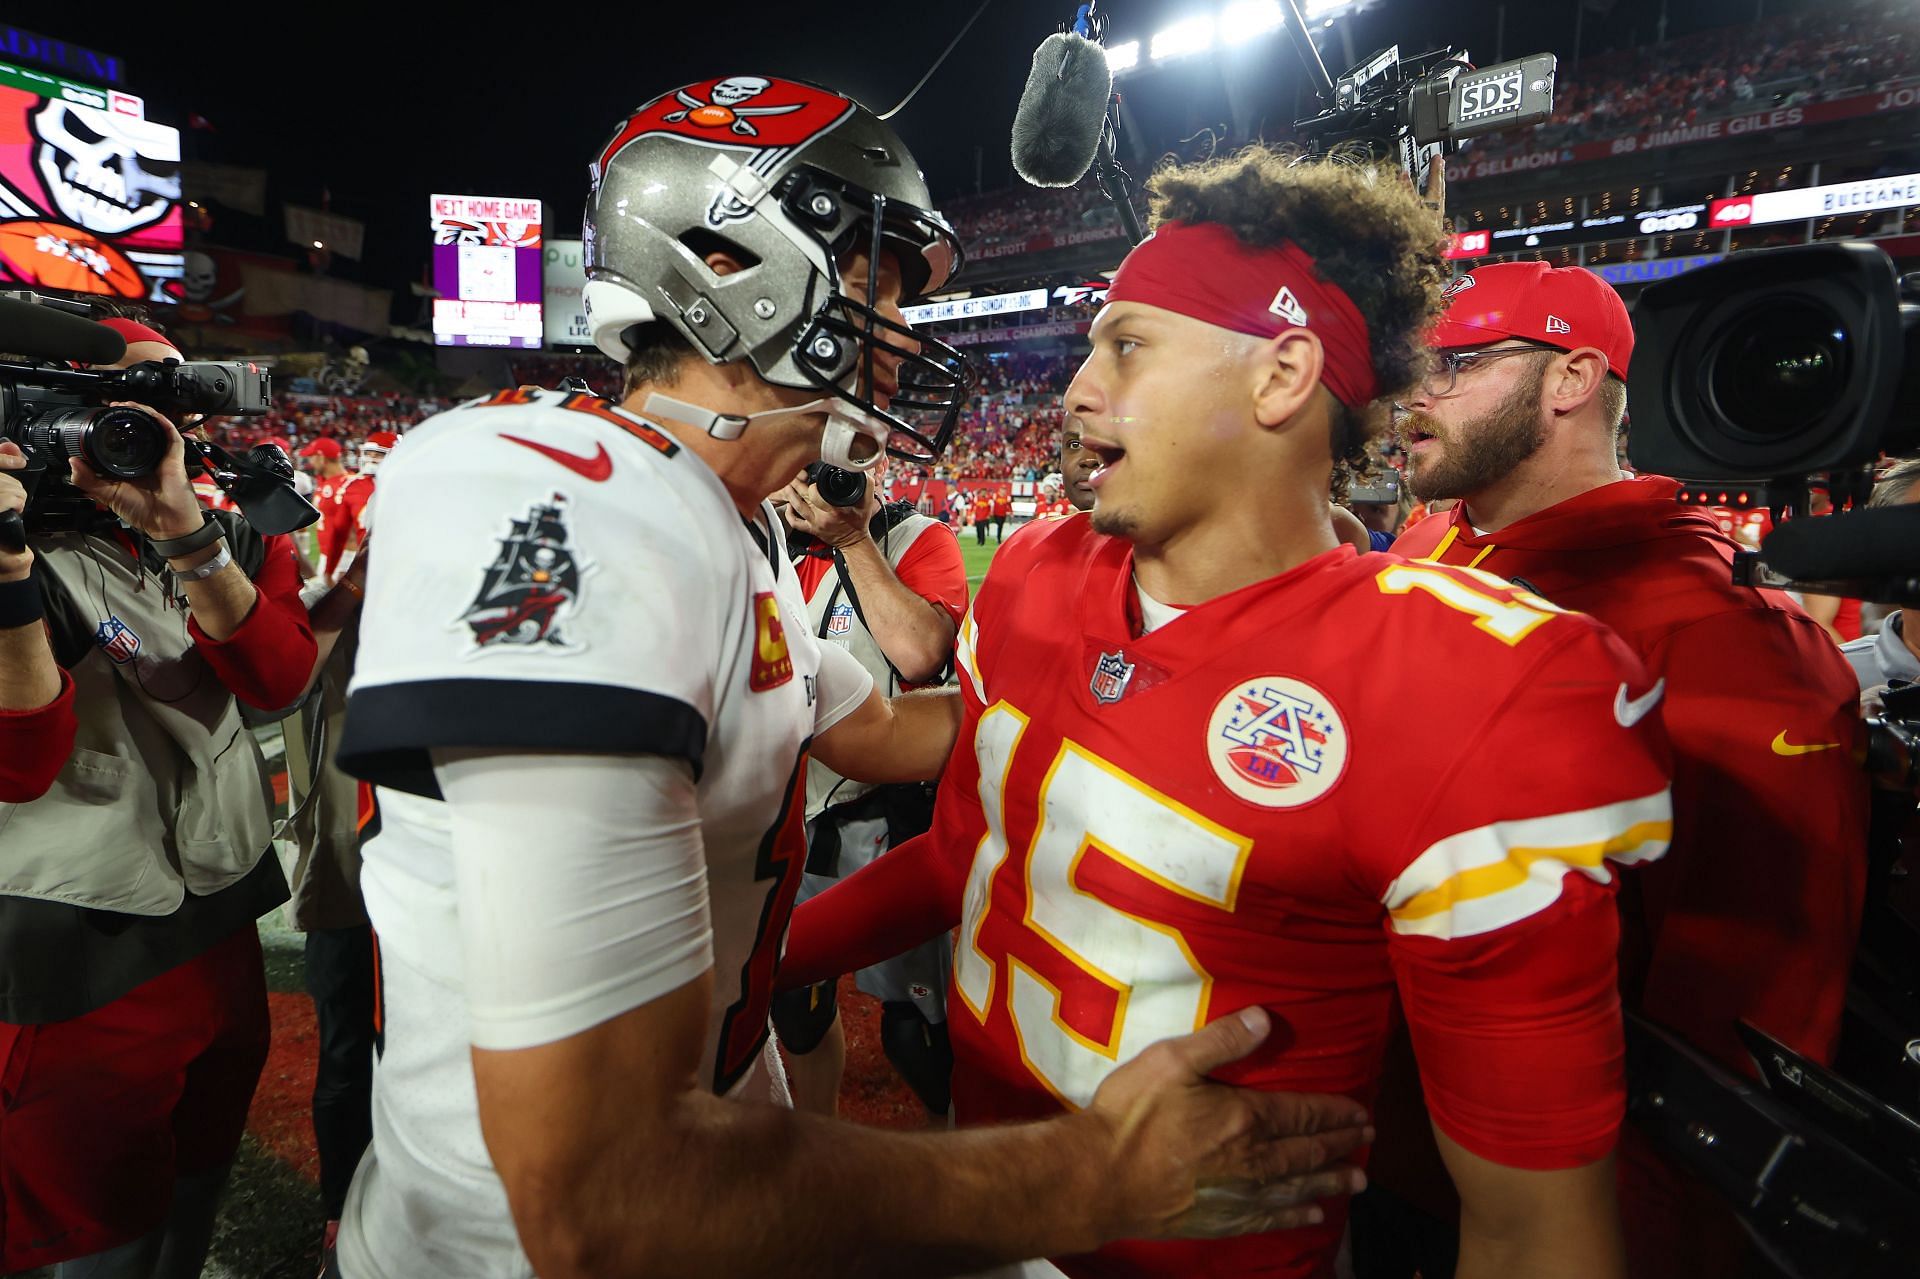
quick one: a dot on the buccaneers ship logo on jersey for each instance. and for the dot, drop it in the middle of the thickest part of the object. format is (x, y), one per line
(533, 578)
(1277, 742)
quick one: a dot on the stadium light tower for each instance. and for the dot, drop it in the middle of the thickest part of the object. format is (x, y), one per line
(1190, 35)
(1246, 20)
(1123, 57)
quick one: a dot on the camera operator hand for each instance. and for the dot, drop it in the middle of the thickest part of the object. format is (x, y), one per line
(14, 565)
(837, 526)
(161, 503)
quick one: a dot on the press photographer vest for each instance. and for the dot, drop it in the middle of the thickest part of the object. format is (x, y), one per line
(824, 786)
(165, 790)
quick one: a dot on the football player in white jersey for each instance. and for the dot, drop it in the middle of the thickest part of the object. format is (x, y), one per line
(588, 690)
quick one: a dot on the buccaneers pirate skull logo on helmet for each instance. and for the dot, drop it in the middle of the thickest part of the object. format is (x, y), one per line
(788, 179)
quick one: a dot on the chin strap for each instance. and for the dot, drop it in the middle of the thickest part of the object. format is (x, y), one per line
(845, 426)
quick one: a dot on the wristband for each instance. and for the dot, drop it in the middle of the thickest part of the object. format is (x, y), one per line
(351, 587)
(204, 536)
(221, 558)
(20, 603)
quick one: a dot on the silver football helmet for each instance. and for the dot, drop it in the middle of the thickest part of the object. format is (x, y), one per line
(787, 178)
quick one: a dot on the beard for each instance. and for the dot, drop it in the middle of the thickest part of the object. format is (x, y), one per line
(1506, 437)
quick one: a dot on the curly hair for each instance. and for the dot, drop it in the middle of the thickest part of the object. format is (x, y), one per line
(1366, 229)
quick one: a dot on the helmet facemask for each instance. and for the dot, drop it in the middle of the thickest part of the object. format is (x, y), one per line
(840, 350)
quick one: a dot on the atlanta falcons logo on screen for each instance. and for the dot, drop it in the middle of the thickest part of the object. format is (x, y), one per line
(533, 578)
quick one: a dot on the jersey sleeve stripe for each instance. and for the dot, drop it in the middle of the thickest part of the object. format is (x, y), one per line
(1484, 879)
(392, 727)
(963, 657)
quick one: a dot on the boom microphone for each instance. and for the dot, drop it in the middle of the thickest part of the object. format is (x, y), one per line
(37, 332)
(1056, 131)
(1877, 542)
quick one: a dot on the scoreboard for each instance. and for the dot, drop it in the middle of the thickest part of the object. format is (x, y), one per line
(486, 269)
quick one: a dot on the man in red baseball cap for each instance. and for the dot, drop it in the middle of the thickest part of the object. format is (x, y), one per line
(330, 482)
(1754, 912)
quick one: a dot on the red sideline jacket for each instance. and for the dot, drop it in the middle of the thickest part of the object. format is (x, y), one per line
(1755, 910)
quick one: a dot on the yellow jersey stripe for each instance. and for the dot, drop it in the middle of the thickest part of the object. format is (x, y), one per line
(1433, 556)
(1485, 881)
(1486, 878)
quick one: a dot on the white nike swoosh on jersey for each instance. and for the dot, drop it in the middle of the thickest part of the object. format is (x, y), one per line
(1632, 712)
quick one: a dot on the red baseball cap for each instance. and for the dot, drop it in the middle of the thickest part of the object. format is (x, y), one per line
(325, 446)
(380, 440)
(1567, 307)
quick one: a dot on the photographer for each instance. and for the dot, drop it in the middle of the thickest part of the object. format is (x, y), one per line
(132, 854)
(1755, 912)
(890, 586)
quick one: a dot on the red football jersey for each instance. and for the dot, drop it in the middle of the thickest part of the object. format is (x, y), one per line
(336, 524)
(1165, 829)
(353, 500)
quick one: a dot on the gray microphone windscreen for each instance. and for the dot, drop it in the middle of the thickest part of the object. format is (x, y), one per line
(1056, 131)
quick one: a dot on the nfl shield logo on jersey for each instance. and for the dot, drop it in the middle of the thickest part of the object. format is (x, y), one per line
(840, 620)
(1111, 675)
(1277, 742)
(118, 639)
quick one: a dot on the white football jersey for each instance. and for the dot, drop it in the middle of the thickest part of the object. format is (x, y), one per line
(555, 574)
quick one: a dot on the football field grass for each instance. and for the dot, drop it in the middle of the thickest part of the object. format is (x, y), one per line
(977, 556)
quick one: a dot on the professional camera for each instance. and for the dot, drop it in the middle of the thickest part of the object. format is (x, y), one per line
(1780, 371)
(837, 486)
(1757, 380)
(56, 410)
(1413, 110)
(66, 413)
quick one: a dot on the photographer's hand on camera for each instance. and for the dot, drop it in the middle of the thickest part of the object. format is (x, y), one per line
(914, 633)
(841, 527)
(162, 505)
(14, 565)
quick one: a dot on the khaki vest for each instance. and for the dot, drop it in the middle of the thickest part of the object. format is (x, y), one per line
(824, 786)
(165, 791)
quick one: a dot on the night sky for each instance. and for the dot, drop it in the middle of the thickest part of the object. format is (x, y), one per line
(498, 100)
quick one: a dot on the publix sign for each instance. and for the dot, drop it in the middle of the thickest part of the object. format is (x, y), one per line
(565, 274)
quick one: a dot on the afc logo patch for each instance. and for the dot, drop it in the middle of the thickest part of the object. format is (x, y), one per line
(772, 664)
(118, 640)
(1277, 742)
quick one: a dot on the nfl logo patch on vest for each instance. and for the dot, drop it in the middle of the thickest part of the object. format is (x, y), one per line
(119, 640)
(1111, 674)
(840, 620)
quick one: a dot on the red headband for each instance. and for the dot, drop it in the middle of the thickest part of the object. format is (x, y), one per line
(1205, 271)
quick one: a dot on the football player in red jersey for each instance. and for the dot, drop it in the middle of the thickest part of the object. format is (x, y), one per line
(1215, 808)
(1755, 912)
(330, 481)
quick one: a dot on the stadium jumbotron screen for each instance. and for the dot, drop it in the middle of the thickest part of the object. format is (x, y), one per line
(486, 269)
(89, 188)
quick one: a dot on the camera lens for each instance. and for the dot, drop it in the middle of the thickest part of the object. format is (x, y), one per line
(838, 486)
(123, 443)
(1778, 370)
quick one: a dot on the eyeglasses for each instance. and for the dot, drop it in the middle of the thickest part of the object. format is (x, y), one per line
(1449, 365)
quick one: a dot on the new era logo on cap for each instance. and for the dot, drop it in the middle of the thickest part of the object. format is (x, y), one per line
(1288, 307)
(1557, 325)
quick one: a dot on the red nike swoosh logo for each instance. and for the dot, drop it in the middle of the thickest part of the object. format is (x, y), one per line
(595, 468)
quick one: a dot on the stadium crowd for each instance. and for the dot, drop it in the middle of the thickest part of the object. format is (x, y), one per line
(1810, 56)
